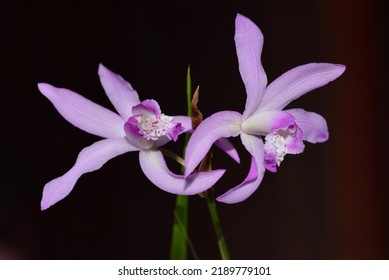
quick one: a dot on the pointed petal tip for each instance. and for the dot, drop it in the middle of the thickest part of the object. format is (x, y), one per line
(244, 22)
(56, 190)
(102, 69)
(342, 68)
(187, 172)
(241, 18)
(226, 146)
(47, 89)
(338, 68)
(218, 172)
(48, 199)
(44, 205)
(40, 85)
(222, 200)
(44, 87)
(325, 66)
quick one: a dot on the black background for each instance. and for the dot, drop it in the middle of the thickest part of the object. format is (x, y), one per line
(331, 202)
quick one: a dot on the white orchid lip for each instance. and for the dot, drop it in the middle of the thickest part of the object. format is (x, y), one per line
(154, 127)
(281, 142)
(275, 145)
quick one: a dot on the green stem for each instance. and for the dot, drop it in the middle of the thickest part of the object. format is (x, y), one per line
(189, 242)
(178, 250)
(189, 93)
(217, 226)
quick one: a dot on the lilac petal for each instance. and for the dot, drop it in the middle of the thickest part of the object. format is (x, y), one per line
(270, 161)
(84, 113)
(295, 144)
(241, 192)
(262, 123)
(186, 122)
(313, 125)
(249, 42)
(220, 125)
(89, 159)
(120, 92)
(147, 107)
(154, 167)
(226, 146)
(174, 130)
(297, 82)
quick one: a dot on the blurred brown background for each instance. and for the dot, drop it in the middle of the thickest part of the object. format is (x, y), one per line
(331, 202)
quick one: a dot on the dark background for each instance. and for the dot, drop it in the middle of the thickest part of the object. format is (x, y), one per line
(331, 202)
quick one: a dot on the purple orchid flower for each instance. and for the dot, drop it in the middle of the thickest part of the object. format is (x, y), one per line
(139, 126)
(283, 130)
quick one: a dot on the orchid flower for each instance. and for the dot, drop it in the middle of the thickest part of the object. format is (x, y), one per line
(264, 118)
(139, 126)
